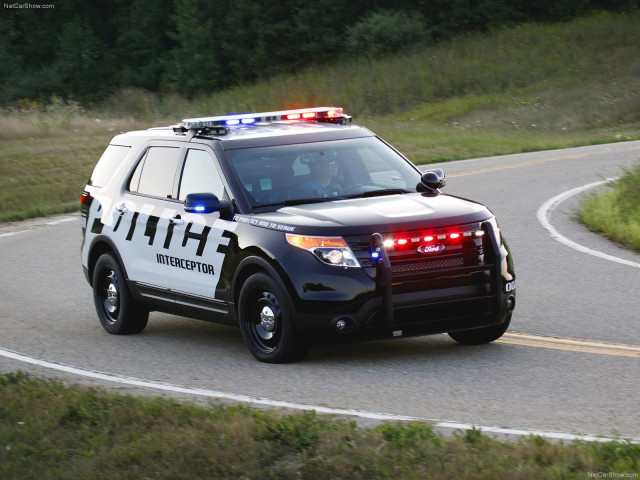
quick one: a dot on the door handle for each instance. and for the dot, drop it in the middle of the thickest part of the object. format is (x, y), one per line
(121, 209)
(176, 220)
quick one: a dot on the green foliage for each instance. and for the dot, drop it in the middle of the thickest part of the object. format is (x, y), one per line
(615, 212)
(402, 435)
(298, 432)
(88, 50)
(386, 31)
(51, 431)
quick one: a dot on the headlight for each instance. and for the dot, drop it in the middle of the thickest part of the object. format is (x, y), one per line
(330, 250)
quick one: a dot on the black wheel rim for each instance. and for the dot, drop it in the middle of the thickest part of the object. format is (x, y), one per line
(263, 321)
(109, 293)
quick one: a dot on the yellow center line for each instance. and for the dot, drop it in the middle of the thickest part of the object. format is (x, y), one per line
(571, 345)
(565, 344)
(538, 162)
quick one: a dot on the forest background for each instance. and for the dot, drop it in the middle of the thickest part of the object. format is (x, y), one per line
(87, 51)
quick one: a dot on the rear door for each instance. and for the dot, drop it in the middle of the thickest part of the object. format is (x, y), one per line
(142, 227)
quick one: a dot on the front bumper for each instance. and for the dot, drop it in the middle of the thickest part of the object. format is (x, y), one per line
(386, 311)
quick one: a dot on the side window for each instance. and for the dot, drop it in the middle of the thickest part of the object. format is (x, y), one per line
(200, 175)
(156, 171)
(106, 166)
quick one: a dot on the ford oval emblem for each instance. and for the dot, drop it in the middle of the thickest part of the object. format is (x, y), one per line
(429, 249)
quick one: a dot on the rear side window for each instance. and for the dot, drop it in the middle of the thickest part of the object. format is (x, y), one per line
(107, 165)
(155, 174)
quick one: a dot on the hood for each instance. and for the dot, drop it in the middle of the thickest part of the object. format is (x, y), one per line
(381, 214)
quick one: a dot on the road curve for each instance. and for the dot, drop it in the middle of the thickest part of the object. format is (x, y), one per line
(570, 363)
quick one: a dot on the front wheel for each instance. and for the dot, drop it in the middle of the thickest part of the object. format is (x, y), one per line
(478, 336)
(118, 312)
(266, 324)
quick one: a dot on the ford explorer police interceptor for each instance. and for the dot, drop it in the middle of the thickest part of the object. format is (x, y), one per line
(295, 225)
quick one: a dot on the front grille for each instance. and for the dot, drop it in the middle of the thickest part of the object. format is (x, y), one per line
(455, 281)
(420, 266)
(405, 259)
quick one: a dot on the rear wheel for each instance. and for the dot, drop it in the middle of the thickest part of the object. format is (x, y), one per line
(265, 321)
(479, 336)
(118, 312)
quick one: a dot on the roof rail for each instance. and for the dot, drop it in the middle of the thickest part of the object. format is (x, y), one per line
(202, 130)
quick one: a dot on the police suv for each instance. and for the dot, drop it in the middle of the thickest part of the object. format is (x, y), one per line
(294, 225)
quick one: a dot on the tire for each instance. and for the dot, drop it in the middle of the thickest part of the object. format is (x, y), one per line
(118, 312)
(264, 311)
(478, 336)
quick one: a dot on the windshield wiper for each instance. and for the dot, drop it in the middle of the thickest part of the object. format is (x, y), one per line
(301, 201)
(295, 201)
(379, 193)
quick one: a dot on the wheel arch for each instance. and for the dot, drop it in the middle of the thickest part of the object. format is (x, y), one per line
(250, 265)
(99, 247)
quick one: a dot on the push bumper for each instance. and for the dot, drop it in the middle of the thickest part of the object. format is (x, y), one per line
(388, 315)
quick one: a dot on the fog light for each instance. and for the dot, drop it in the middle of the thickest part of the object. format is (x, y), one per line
(343, 324)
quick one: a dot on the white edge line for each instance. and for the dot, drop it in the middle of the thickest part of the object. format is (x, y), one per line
(38, 225)
(200, 392)
(544, 214)
(62, 220)
(298, 406)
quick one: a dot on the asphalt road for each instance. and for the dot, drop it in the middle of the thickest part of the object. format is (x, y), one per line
(570, 362)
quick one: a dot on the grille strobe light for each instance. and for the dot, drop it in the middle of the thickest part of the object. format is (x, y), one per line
(402, 241)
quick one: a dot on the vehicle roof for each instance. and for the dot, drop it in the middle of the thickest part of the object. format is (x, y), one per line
(261, 134)
(283, 133)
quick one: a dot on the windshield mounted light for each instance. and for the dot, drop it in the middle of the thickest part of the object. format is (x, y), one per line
(330, 250)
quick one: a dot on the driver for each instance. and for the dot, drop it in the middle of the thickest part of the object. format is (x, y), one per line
(323, 172)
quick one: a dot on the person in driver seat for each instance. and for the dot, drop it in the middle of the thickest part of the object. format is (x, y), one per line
(324, 171)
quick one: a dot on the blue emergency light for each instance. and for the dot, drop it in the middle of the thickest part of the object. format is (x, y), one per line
(318, 114)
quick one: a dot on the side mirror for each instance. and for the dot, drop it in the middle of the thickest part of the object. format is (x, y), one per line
(431, 181)
(207, 203)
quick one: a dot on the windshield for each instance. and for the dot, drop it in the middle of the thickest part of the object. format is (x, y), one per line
(322, 171)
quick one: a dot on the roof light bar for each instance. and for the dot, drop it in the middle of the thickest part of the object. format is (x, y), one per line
(318, 114)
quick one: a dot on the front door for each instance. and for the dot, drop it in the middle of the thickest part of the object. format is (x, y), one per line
(202, 239)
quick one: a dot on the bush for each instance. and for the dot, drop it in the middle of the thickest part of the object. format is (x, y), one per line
(133, 102)
(386, 31)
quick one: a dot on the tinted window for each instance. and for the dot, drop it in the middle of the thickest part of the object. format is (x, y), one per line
(155, 173)
(333, 169)
(109, 161)
(200, 175)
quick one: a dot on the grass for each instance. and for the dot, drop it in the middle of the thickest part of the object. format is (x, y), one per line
(616, 211)
(46, 159)
(528, 88)
(51, 431)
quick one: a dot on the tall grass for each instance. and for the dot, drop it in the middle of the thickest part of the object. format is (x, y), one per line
(589, 49)
(55, 432)
(47, 153)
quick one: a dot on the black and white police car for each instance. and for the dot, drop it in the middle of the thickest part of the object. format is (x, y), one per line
(294, 225)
